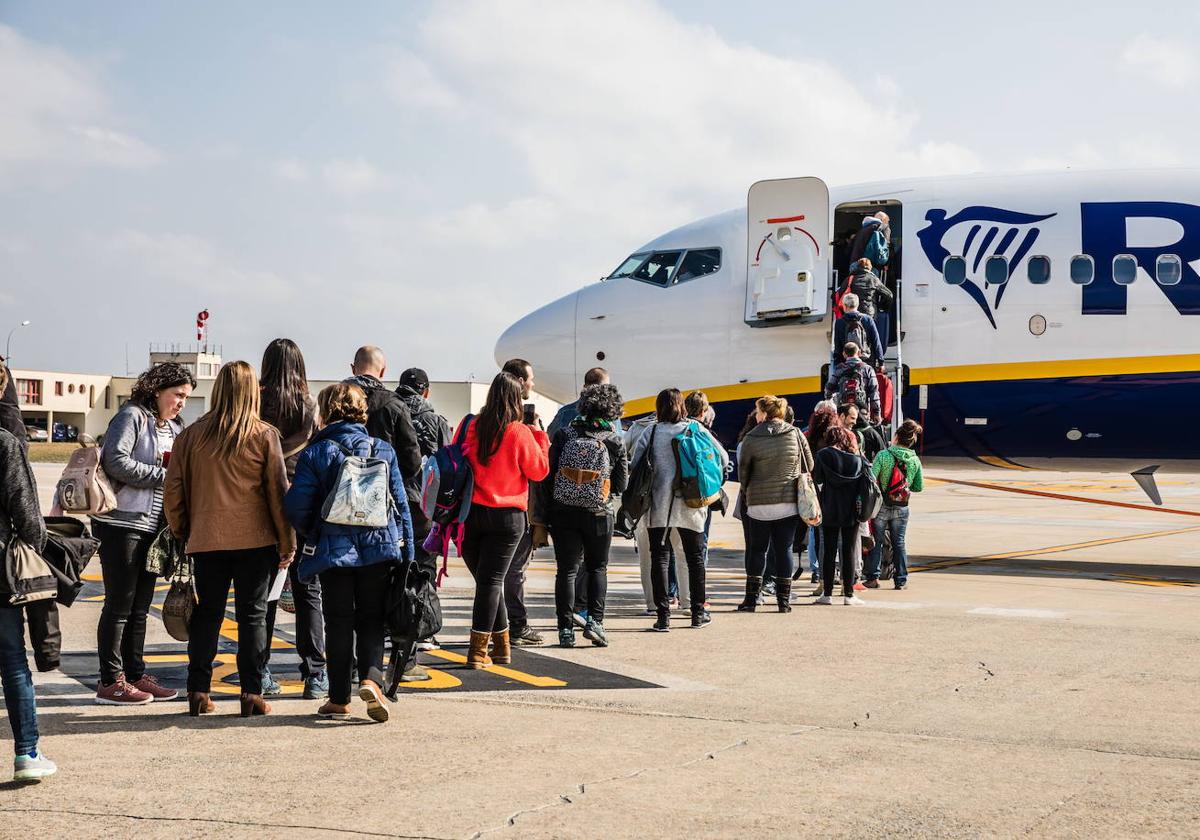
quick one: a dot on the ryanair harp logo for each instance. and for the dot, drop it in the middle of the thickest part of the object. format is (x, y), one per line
(976, 233)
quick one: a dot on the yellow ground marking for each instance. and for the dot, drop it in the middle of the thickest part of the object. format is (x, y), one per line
(438, 679)
(500, 670)
(1123, 577)
(995, 461)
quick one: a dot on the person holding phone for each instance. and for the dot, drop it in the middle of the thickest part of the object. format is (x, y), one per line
(505, 454)
(520, 632)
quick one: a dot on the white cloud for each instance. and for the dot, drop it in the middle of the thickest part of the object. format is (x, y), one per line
(290, 169)
(184, 261)
(352, 177)
(1161, 60)
(409, 80)
(53, 110)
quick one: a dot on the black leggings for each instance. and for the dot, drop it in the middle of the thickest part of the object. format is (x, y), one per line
(776, 535)
(660, 558)
(353, 601)
(488, 546)
(128, 591)
(580, 536)
(834, 540)
(249, 569)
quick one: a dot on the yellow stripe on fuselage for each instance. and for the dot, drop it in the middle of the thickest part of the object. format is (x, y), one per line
(1000, 371)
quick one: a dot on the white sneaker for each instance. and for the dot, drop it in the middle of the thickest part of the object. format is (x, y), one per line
(33, 768)
(853, 601)
(429, 644)
(824, 600)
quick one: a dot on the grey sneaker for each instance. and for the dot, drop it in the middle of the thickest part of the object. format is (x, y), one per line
(415, 673)
(566, 637)
(33, 767)
(526, 637)
(316, 686)
(270, 685)
(594, 633)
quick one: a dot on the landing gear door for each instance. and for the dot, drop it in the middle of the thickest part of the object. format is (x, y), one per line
(787, 254)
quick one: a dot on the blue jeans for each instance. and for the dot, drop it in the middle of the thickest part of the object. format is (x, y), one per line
(17, 681)
(895, 520)
(814, 550)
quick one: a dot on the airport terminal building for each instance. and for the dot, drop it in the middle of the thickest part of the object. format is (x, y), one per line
(64, 404)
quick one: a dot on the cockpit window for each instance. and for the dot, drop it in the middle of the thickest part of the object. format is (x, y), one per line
(658, 268)
(698, 263)
(626, 268)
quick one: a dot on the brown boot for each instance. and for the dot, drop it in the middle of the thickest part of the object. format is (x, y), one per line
(501, 648)
(199, 703)
(254, 704)
(477, 656)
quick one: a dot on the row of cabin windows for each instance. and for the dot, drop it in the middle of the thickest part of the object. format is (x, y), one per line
(1168, 270)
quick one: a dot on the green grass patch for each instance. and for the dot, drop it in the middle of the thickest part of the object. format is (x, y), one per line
(51, 453)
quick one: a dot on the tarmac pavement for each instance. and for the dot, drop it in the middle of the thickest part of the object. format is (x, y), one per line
(1039, 677)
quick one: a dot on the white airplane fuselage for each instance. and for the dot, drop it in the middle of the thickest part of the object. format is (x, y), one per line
(1007, 371)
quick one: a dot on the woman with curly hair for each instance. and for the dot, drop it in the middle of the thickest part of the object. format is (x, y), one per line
(137, 448)
(589, 471)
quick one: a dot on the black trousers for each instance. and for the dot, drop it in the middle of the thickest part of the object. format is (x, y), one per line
(837, 540)
(310, 623)
(580, 537)
(774, 537)
(492, 538)
(45, 636)
(660, 559)
(354, 603)
(249, 570)
(128, 591)
(514, 582)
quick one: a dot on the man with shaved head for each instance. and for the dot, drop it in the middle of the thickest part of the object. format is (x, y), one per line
(388, 417)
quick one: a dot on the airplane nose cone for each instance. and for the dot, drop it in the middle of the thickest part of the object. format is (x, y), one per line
(546, 339)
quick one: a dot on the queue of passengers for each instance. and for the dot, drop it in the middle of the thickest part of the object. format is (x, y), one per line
(246, 489)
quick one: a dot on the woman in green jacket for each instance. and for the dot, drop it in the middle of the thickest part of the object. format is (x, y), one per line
(898, 471)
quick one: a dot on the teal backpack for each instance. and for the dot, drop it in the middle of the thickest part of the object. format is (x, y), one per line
(698, 466)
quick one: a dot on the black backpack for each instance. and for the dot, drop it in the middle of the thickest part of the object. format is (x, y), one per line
(411, 611)
(853, 387)
(635, 501)
(856, 331)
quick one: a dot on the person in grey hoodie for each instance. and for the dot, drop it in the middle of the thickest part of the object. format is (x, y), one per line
(137, 447)
(668, 511)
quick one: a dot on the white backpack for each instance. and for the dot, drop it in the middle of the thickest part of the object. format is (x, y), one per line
(362, 494)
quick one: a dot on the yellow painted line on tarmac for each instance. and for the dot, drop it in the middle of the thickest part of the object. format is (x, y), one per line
(438, 679)
(503, 671)
(1004, 463)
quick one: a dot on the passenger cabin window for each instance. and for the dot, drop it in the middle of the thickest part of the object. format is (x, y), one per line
(1124, 269)
(659, 268)
(629, 266)
(698, 263)
(1039, 270)
(1083, 269)
(1168, 269)
(995, 270)
(954, 271)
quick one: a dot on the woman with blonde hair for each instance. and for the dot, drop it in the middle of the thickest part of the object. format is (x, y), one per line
(224, 498)
(352, 561)
(770, 460)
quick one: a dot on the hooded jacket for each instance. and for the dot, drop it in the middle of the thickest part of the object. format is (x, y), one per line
(389, 420)
(770, 459)
(328, 546)
(871, 227)
(433, 431)
(836, 474)
(872, 292)
(909, 462)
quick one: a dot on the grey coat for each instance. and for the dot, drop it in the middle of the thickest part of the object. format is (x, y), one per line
(130, 460)
(667, 507)
(771, 458)
(20, 512)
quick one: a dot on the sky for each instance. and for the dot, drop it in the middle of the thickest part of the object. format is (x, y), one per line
(419, 175)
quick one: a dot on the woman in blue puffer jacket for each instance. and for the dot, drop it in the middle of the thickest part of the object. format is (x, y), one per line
(353, 561)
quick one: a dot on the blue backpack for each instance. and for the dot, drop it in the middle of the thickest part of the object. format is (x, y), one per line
(447, 482)
(698, 466)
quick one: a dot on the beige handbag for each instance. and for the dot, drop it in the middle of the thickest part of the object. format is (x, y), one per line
(30, 575)
(84, 489)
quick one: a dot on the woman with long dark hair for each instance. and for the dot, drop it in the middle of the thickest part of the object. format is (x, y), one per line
(836, 473)
(505, 455)
(137, 449)
(824, 417)
(668, 509)
(224, 498)
(288, 406)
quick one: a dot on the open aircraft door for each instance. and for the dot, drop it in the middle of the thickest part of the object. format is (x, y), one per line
(787, 251)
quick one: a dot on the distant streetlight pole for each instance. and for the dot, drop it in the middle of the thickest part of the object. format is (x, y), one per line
(8, 342)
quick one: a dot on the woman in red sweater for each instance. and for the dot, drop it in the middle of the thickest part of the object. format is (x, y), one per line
(505, 455)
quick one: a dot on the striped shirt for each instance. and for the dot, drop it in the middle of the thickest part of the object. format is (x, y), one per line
(164, 441)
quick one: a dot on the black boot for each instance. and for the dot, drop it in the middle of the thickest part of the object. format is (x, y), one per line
(753, 587)
(783, 594)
